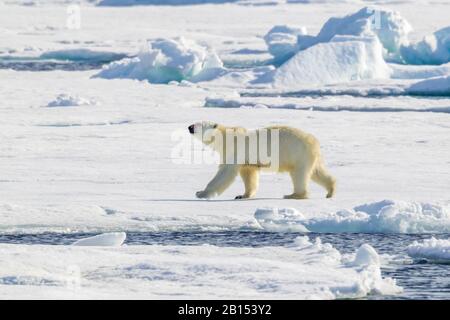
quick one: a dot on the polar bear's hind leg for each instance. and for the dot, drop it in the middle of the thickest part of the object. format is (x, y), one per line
(323, 178)
(300, 179)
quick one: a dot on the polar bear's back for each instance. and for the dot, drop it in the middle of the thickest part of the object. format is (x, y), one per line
(295, 147)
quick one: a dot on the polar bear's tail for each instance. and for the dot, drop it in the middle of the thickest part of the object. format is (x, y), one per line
(326, 180)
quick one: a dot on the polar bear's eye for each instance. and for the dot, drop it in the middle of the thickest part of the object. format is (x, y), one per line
(215, 126)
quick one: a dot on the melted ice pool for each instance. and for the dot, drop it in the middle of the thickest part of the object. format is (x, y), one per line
(420, 279)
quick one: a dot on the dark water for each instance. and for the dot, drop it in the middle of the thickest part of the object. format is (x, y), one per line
(419, 279)
(43, 65)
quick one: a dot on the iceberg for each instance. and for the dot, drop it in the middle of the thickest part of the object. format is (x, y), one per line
(168, 60)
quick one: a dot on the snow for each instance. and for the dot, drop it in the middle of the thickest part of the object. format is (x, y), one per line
(338, 61)
(433, 49)
(437, 250)
(65, 100)
(167, 60)
(309, 271)
(111, 239)
(385, 216)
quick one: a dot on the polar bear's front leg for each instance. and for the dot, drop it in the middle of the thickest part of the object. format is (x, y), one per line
(250, 176)
(221, 181)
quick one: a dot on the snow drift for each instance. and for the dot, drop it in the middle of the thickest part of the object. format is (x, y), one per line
(385, 216)
(168, 60)
(433, 86)
(437, 250)
(66, 100)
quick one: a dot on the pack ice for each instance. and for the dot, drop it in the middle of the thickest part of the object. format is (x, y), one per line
(359, 46)
(167, 60)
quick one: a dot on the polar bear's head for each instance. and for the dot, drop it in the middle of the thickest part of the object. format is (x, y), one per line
(204, 131)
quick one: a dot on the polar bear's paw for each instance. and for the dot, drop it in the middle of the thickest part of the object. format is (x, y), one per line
(203, 194)
(297, 196)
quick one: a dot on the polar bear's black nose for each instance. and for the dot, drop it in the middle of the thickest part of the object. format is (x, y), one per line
(191, 128)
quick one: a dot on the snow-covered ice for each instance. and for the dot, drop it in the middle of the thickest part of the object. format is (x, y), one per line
(307, 270)
(432, 249)
(379, 217)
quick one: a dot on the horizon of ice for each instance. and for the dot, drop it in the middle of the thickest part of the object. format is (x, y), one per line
(111, 239)
(213, 102)
(385, 216)
(167, 60)
(437, 250)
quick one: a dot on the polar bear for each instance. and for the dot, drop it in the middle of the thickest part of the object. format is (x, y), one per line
(298, 154)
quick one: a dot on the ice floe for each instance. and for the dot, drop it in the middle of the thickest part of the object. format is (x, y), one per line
(168, 60)
(385, 216)
(437, 250)
(305, 270)
(111, 239)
